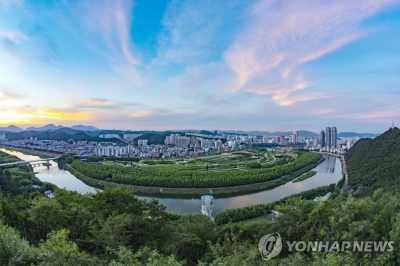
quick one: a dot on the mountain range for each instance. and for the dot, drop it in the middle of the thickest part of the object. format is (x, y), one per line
(302, 133)
(50, 127)
(95, 132)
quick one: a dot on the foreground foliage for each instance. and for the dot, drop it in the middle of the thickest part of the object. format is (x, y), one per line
(115, 228)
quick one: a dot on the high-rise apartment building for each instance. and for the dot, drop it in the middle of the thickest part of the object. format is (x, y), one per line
(328, 137)
(334, 137)
(295, 137)
(142, 142)
(322, 138)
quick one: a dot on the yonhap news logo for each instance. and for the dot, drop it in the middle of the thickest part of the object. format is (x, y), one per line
(270, 246)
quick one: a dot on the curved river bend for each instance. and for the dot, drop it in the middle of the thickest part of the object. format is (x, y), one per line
(328, 172)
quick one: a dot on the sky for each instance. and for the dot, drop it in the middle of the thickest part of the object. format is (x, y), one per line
(228, 65)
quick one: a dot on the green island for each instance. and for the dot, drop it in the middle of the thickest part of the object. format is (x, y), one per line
(304, 176)
(115, 228)
(226, 173)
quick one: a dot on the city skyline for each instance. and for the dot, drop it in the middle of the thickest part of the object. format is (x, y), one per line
(158, 65)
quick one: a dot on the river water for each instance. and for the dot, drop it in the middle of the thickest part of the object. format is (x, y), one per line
(328, 172)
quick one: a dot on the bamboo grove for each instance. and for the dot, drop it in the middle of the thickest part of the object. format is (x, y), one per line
(173, 178)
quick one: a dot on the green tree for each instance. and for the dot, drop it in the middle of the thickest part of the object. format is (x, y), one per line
(58, 251)
(47, 215)
(13, 249)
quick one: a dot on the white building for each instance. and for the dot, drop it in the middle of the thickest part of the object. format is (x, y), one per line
(110, 136)
(130, 137)
(142, 142)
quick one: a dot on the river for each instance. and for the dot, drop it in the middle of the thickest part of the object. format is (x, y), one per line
(328, 172)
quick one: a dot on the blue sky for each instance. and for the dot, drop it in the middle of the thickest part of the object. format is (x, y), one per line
(249, 65)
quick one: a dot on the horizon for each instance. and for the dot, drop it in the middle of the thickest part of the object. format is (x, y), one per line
(187, 129)
(255, 66)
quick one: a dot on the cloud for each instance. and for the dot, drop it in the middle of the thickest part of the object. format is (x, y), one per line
(14, 37)
(99, 101)
(282, 35)
(112, 21)
(143, 113)
(7, 95)
(39, 116)
(192, 31)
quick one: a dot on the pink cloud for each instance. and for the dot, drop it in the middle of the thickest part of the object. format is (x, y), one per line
(283, 35)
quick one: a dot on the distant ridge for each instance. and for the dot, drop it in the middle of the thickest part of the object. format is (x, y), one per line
(85, 128)
(302, 133)
(44, 128)
(354, 134)
(94, 131)
(11, 128)
(50, 127)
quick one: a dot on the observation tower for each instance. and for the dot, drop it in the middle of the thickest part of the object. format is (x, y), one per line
(206, 205)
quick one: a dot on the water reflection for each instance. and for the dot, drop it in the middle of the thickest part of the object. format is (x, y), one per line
(330, 164)
(60, 178)
(326, 175)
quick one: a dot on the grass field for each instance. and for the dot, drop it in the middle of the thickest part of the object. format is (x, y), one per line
(258, 220)
(235, 161)
(41, 154)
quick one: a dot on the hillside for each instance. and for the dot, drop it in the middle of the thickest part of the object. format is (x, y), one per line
(60, 134)
(84, 228)
(153, 138)
(375, 162)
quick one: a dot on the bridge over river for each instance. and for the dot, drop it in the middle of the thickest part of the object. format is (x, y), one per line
(328, 172)
(37, 162)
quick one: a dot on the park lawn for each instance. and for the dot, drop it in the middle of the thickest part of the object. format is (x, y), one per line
(257, 220)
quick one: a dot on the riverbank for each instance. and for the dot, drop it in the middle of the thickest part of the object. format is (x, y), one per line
(185, 203)
(41, 154)
(195, 192)
(261, 210)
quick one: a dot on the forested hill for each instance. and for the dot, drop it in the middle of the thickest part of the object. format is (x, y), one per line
(375, 162)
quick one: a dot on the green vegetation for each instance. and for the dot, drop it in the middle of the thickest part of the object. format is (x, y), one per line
(60, 134)
(270, 156)
(153, 138)
(254, 165)
(375, 162)
(174, 178)
(341, 181)
(305, 176)
(254, 211)
(6, 158)
(110, 158)
(115, 228)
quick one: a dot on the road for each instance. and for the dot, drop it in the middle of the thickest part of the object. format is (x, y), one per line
(25, 162)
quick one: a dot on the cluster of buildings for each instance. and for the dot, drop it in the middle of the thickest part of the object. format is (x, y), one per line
(193, 141)
(72, 147)
(125, 137)
(189, 145)
(175, 146)
(328, 139)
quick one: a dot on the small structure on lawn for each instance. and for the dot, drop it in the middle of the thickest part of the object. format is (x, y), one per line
(272, 216)
(49, 194)
(321, 199)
